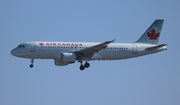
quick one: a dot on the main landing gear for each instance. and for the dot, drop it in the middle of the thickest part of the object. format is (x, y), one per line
(86, 65)
(31, 65)
(82, 67)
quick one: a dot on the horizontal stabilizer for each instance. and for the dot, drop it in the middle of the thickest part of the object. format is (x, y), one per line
(155, 47)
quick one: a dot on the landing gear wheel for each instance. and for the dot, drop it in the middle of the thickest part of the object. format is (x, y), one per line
(32, 61)
(81, 67)
(31, 65)
(86, 64)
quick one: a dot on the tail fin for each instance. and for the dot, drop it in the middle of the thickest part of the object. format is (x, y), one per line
(152, 34)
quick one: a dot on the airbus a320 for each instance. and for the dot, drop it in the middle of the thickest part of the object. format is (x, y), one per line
(64, 53)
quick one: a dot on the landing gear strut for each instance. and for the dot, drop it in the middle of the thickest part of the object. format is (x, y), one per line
(31, 65)
(86, 65)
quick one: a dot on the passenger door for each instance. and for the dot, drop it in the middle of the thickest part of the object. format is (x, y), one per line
(32, 47)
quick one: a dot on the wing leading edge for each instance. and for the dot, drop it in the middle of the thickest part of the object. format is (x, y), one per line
(89, 52)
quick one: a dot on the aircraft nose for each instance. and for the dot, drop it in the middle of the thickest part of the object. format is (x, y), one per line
(13, 52)
(17, 53)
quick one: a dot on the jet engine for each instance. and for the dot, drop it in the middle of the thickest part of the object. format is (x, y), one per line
(66, 58)
(58, 62)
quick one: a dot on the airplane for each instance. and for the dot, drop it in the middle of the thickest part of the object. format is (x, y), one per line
(64, 53)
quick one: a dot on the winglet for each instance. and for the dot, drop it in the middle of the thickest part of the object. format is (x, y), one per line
(113, 40)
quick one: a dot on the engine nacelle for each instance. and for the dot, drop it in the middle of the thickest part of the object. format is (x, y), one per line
(59, 62)
(68, 57)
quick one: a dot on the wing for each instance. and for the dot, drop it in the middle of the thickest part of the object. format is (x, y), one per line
(89, 52)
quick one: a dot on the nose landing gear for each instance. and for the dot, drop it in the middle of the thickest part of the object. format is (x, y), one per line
(31, 65)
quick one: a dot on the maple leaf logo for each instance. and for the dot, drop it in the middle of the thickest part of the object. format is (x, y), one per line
(153, 35)
(41, 44)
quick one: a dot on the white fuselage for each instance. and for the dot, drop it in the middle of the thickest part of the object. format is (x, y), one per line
(53, 50)
(65, 53)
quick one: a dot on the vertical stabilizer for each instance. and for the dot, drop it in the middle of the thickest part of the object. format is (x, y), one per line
(152, 34)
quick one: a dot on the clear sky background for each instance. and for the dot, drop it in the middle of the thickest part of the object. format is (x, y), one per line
(148, 80)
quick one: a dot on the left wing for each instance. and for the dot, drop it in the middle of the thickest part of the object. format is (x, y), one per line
(89, 52)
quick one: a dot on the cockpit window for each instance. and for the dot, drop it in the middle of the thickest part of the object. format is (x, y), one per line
(21, 46)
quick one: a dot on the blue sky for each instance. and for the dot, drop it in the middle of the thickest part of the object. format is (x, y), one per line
(147, 80)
